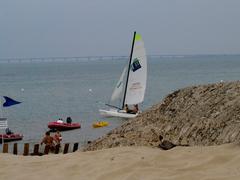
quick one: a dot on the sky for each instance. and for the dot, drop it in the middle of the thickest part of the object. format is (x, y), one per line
(74, 28)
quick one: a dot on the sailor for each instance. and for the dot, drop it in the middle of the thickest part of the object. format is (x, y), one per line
(8, 131)
(135, 109)
(60, 120)
(69, 120)
(131, 111)
(126, 108)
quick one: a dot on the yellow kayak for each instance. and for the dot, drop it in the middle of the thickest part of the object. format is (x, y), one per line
(100, 124)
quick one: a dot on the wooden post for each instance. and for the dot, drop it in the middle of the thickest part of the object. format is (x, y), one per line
(75, 147)
(15, 149)
(5, 148)
(57, 148)
(65, 151)
(35, 150)
(26, 149)
(46, 150)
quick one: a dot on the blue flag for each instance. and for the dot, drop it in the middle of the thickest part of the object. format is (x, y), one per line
(9, 102)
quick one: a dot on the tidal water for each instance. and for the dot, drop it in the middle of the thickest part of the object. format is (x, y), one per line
(52, 90)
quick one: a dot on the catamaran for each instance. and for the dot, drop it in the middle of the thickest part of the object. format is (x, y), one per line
(130, 88)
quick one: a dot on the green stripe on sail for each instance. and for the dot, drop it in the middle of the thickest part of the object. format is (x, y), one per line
(138, 37)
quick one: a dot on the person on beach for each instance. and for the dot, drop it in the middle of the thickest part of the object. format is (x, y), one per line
(48, 141)
(57, 138)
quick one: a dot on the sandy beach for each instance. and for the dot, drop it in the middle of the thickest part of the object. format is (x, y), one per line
(212, 162)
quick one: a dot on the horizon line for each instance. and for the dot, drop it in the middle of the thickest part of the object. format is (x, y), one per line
(112, 56)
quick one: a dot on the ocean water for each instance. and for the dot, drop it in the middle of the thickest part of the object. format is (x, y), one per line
(52, 90)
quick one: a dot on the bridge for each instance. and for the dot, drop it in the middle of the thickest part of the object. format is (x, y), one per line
(67, 59)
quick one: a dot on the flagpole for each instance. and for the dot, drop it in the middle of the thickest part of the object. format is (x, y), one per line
(1, 116)
(1, 109)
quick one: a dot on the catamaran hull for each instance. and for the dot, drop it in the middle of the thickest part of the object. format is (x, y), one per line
(115, 113)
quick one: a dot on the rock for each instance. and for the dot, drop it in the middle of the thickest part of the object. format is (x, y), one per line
(166, 145)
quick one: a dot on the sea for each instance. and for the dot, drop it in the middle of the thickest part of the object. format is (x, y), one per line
(52, 90)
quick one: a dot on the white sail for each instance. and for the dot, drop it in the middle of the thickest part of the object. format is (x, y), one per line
(134, 84)
(138, 73)
(117, 93)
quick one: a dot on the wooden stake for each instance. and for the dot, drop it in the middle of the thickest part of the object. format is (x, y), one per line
(65, 151)
(15, 149)
(35, 150)
(46, 150)
(75, 147)
(26, 149)
(57, 148)
(5, 148)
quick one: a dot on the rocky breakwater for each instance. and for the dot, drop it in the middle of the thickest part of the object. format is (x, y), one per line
(198, 115)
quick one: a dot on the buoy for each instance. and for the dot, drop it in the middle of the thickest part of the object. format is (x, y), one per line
(100, 124)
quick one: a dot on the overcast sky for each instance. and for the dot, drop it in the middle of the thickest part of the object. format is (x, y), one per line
(47, 28)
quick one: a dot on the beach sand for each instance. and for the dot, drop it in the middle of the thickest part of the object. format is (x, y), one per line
(185, 163)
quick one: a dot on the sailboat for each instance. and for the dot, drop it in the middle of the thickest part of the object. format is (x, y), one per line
(130, 88)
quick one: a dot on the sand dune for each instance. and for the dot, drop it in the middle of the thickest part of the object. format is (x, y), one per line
(213, 162)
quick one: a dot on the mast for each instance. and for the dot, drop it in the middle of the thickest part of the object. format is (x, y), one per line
(129, 65)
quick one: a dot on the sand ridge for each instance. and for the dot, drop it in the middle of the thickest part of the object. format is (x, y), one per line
(213, 162)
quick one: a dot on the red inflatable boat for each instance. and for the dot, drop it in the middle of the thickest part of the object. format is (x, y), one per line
(62, 126)
(10, 137)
